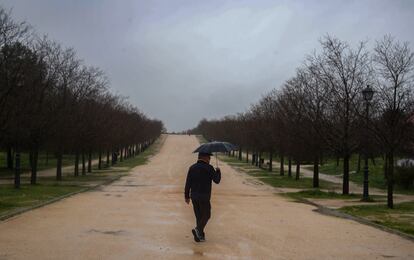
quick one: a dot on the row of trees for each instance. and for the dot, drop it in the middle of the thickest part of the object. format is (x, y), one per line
(321, 111)
(50, 100)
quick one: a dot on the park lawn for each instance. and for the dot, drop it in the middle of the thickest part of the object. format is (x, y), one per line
(45, 161)
(376, 173)
(320, 194)
(330, 167)
(201, 139)
(30, 195)
(290, 182)
(400, 218)
(273, 178)
(143, 157)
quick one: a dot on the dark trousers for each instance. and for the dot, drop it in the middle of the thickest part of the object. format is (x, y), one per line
(202, 211)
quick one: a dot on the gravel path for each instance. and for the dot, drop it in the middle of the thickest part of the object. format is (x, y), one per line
(143, 216)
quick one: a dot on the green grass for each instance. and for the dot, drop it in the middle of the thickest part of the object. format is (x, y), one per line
(376, 173)
(320, 194)
(273, 178)
(330, 167)
(29, 195)
(45, 162)
(143, 157)
(290, 182)
(400, 218)
(201, 139)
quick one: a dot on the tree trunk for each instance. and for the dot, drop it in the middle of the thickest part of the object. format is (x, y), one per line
(386, 167)
(76, 172)
(30, 159)
(9, 158)
(359, 163)
(345, 181)
(337, 161)
(89, 162)
(17, 170)
(83, 164)
(390, 181)
(59, 165)
(100, 160)
(122, 155)
(282, 165)
(34, 161)
(316, 172)
(297, 170)
(47, 158)
(270, 161)
(290, 167)
(247, 156)
(240, 154)
(107, 158)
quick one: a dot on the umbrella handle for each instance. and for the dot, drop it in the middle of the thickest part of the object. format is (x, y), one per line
(216, 160)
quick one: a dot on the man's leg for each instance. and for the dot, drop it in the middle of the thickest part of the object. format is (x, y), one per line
(197, 211)
(205, 208)
(198, 214)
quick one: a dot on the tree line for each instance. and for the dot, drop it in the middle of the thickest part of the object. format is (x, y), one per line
(50, 100)
(320, 111)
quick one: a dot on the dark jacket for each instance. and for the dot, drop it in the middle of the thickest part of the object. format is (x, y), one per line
(199, 179)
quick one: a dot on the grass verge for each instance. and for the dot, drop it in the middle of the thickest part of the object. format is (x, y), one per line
(29, 195)
(376, 173)
(400, 218)
(320, 194)
(273, 178)
(201, 139)
(143, 157)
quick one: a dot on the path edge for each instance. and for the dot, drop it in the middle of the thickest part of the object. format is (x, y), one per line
(47, 202)
(335, 213)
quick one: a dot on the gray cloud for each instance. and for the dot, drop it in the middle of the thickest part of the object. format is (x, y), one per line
(180, 61)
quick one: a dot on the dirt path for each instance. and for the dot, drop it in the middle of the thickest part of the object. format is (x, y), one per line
(143, 216)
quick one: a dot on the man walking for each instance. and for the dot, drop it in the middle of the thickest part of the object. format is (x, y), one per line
(198, 188)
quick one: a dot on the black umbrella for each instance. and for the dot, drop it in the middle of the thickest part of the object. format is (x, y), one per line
(214, 147)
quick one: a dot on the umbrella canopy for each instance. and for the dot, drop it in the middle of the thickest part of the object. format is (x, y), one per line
(214, 147)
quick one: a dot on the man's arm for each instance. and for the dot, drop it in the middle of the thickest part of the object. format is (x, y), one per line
(187, 187)
(216, 175)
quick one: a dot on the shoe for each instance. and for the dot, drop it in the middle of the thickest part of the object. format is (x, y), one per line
(196, 235)
(203, 237)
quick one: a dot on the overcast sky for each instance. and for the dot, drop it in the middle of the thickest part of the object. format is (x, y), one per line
(181, 61)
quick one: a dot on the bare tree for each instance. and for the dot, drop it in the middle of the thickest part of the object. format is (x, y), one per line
(346, 72)
(394, 106)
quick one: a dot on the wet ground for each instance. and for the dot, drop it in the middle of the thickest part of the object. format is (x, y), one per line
(143, 216)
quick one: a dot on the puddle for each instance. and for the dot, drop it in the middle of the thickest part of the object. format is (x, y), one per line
(108, 232)
(130, 185)
(198, 253)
